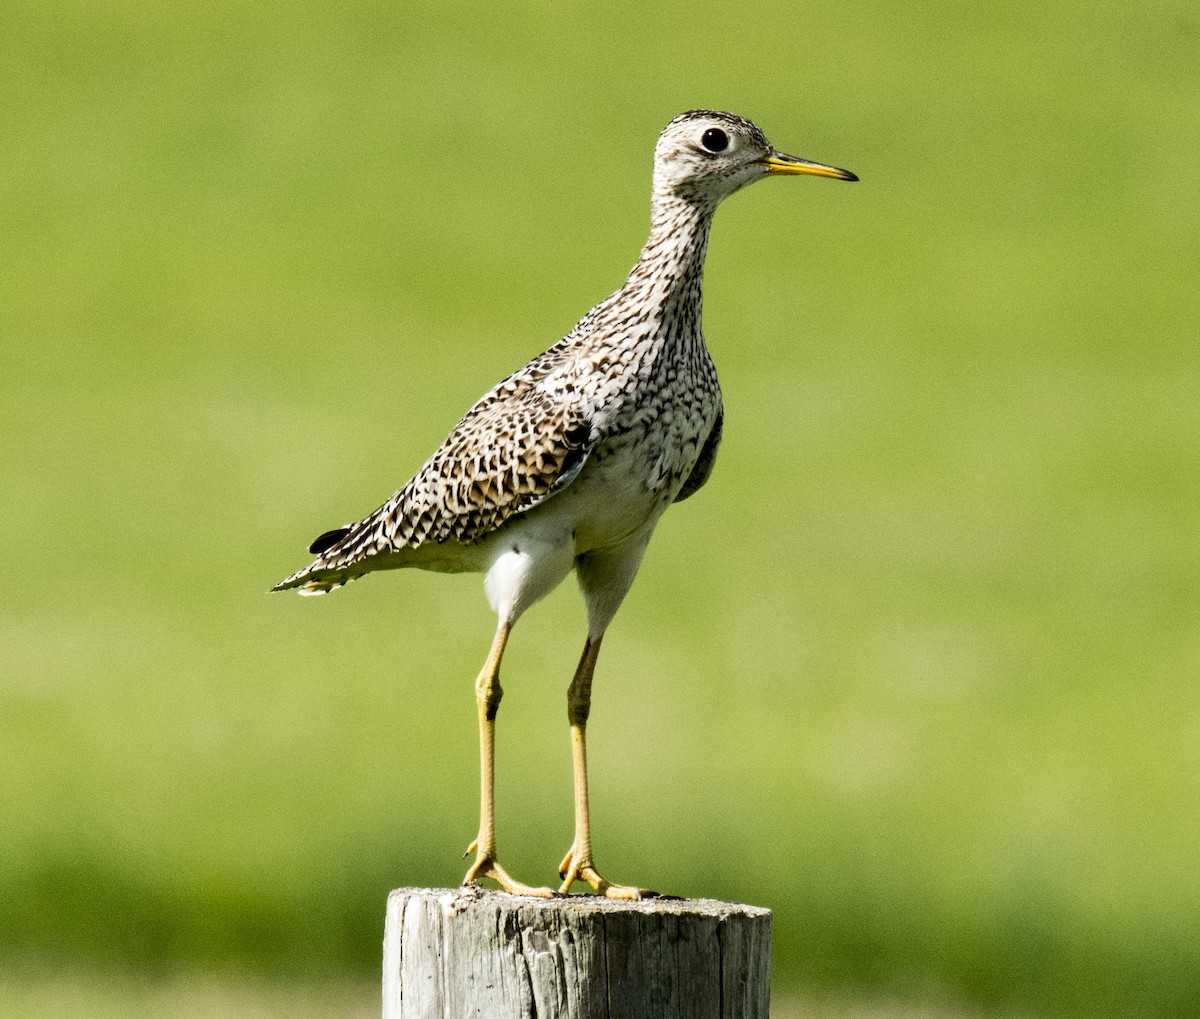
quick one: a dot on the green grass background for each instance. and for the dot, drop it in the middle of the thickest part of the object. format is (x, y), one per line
(918, 669)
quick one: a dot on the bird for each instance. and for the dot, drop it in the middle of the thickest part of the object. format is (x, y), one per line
(570, 462)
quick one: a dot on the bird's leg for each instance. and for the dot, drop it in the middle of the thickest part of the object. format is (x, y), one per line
(487, 701)
(577, 865)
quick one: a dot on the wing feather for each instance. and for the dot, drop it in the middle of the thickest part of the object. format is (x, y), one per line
(703, 468)
(518, 446)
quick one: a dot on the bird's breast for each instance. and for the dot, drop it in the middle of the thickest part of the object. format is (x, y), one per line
(651, 431)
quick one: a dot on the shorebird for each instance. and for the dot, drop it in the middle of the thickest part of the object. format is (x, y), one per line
(570, 461)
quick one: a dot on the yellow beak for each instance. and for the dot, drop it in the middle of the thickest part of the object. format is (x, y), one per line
(779, 163)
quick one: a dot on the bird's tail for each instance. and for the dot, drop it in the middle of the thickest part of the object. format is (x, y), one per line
(312, 580)
(344, 554)
(338, 553)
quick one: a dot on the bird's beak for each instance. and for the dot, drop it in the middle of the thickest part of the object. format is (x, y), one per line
(779, 163)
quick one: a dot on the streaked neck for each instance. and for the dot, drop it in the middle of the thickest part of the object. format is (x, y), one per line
(670, 271)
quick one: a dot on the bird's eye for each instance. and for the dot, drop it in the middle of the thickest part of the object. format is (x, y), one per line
(715, 140)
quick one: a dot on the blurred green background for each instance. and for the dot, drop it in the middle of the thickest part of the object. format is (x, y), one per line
(917, 669)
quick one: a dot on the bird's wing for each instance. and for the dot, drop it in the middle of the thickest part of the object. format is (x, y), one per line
(523, 442)
(707, 460)
(516, 447)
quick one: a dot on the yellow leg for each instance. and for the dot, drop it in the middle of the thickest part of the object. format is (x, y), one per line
(577, 865)
(487, 700)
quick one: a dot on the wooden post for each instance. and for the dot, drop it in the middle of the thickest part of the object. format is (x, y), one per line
(465, 952)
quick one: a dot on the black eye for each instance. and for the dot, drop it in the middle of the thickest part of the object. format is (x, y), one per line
(715, 140)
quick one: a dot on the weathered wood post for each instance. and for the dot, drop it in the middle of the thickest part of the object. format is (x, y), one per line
(464, 953)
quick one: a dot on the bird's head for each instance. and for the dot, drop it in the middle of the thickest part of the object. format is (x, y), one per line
(704, 156)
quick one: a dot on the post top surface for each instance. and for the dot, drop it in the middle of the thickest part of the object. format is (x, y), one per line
(468, 896)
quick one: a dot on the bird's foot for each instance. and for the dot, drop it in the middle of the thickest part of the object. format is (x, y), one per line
(486, 865)
(579, 867)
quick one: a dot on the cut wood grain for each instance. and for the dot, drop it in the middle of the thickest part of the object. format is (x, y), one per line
(465, 952)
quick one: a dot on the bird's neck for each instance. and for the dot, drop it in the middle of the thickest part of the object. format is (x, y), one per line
(670, 273)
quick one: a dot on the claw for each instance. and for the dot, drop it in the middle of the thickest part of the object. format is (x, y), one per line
(566, 862)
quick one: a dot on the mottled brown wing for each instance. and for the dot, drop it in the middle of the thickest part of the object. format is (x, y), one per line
(516, 447)
(505, 457)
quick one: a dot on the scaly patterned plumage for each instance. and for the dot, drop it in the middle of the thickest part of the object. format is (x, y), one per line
(570, 462)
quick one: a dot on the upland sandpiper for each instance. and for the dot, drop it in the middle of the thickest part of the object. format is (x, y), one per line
(570, 462)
